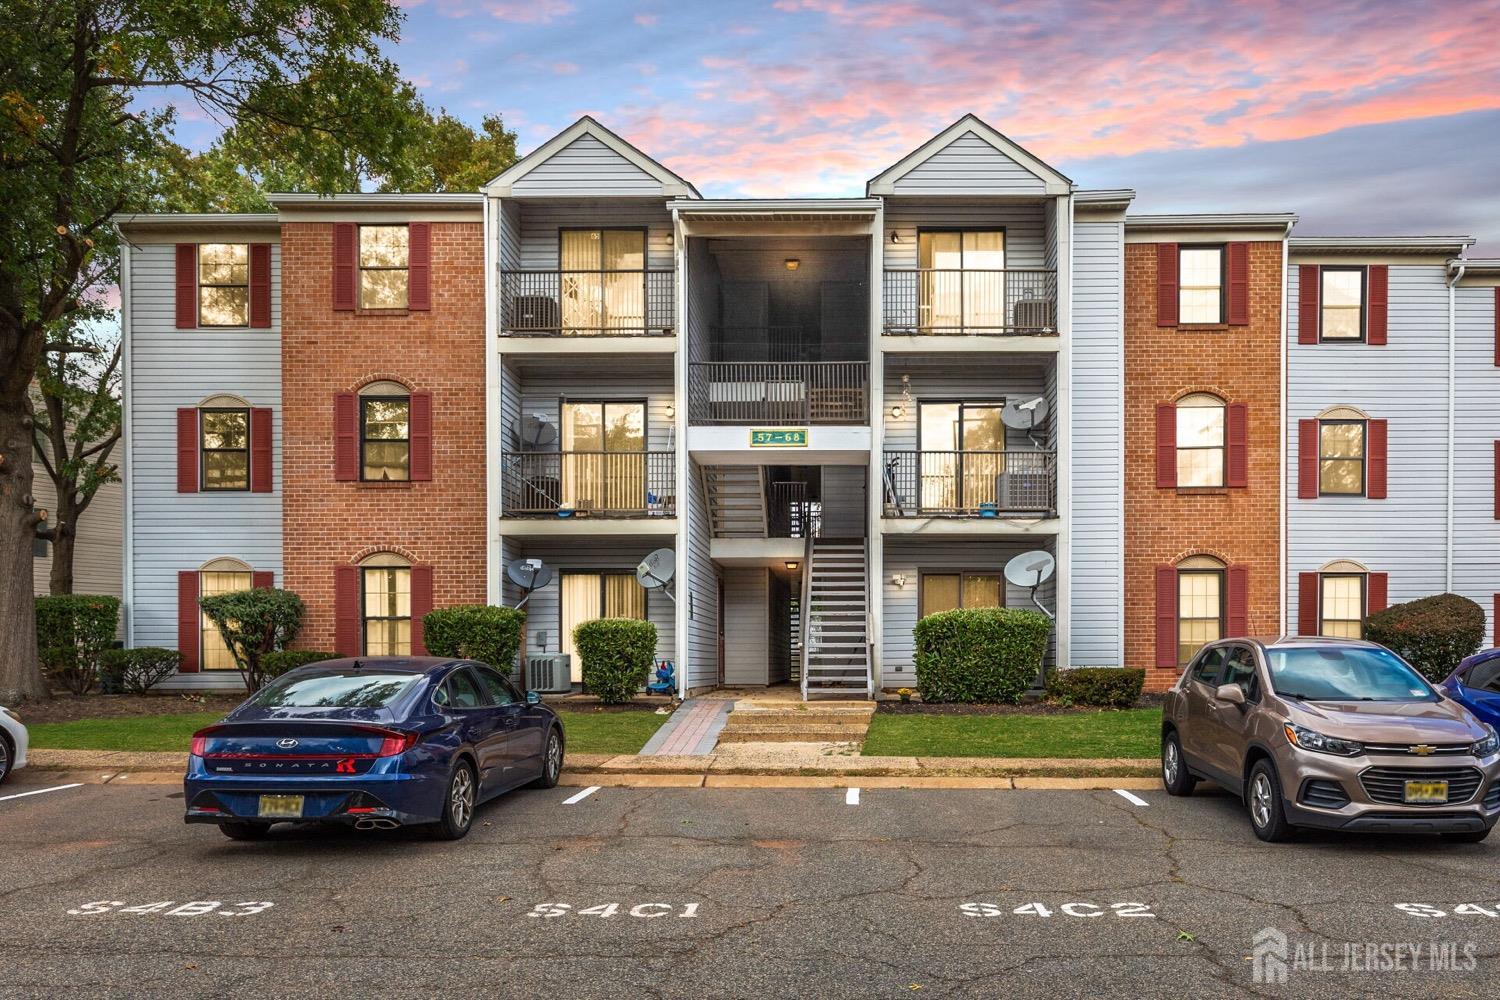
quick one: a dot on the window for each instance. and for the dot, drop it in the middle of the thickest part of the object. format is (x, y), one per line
(224, 441)
(1200, 440)
(385, 433)
(1200, 288)
(335, 689)
(1484, 676)
(590, 596)
(1341, 455)
(963, 453)
(1239, 669)
(948, 591)
(604, 462)
(1200, 604)
(963, 280)
(385, 605)
(460, 690)
(497, 691)
(603, 279)
(1343, 303)
(382, 267)
(1206, 670)
(222, 576)
(223, 284)
(1342, 603)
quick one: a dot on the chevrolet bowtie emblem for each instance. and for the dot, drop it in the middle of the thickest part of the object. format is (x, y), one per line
(1422, 750)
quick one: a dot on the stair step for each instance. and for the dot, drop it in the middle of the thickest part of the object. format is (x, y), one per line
(810, 734)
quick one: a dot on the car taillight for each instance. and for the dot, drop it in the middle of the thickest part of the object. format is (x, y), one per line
(200, 740)
(396, 744)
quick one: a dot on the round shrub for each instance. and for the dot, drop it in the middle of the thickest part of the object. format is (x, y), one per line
(72, 633)
(475, 632)
(1432, 634)
(273, 665)
(136, 671)
(617, 655)
(1096, 687)
(980, 654)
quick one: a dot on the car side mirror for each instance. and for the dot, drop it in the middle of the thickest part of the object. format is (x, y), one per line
(532, 698)
(1232, 693)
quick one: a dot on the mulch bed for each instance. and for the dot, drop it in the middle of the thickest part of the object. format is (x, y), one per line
(1034, 708)
(70, 708)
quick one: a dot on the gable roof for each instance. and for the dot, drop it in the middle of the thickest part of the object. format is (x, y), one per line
(672, 184)
(1053, 181)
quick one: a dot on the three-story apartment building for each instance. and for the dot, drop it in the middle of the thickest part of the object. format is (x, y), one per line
(833, 415)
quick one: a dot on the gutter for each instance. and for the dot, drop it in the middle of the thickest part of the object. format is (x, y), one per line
(1453, 279)
(1281, 474)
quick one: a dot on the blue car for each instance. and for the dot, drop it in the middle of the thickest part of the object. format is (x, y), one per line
(1476, 686)
(373, 743)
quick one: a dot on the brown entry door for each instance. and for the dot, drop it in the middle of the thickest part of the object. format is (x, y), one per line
(721, 633)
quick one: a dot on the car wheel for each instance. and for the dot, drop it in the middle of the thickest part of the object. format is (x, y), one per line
(245, 831)
(1263, 799)
(1467, 836)
(1174, 772)
(4, 758)
(458, 804)
(552, 761)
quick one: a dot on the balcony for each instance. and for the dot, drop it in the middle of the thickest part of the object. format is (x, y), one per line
(801, 393)
(1009, 483)
(564, 484)
(963, 302)
(561, 303)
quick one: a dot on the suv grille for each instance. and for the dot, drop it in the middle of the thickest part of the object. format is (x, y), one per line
(1492, 800)
(1388, 784)
(1324, 795)
(1433, 749)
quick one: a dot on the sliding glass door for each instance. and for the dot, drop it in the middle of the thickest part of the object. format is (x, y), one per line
(588, 597)
(963, 447)
(603, 280)
(604, 455)
(963, 280)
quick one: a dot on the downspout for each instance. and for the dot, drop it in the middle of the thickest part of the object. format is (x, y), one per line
(1281, 481)
(494, 572)
(685, 609)
(1453, 281)
(127, 470)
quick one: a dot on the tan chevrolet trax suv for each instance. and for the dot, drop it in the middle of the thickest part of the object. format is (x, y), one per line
(1331, 733)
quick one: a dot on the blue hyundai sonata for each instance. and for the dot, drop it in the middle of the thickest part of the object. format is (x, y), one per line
(374, 743)
(1476, 685)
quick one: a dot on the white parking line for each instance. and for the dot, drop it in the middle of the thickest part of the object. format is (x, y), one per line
(1134, 800)
(581, 796)
(851, 797)
(39, 791)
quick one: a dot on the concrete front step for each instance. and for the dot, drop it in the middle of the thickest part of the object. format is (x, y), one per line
(804, 734)
(762, 720)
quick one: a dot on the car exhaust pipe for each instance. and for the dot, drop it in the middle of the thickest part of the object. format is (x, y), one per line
(375, 823)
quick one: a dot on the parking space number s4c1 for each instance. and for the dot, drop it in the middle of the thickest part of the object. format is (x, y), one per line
(641, 911)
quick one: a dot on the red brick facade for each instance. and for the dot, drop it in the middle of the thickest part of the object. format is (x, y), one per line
(1238, 526)
(440, 523)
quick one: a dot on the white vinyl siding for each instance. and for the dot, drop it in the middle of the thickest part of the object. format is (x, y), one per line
(1026, 227)
(1476, 543)
(969, 165)
(98, 551)
(747, 637)
(589, 555)
(584, 167)
(702, 590)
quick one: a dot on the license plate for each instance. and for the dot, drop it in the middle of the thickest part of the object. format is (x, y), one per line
(290, 806)
(1427, 791)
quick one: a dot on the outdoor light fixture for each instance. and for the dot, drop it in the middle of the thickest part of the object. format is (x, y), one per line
(671, 411)
(898, 411)
(898, 580)
(898, 408)
(895, 236)
(792, 564)
(792, 263)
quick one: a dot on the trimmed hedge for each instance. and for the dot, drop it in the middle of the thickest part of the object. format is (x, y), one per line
(273, 665)
(72, 633)
(1096, 687)
(136, 671)
(475, 632)
(617, 654)
(980, 654)
(253, 623)
(1432, 634)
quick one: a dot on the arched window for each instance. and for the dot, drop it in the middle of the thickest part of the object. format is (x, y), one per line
(1200, 440)
(385, 605)
(1342, 589)
(224, 443)
(385, 432)
(218, 576)
(1200, 604)
(1341, 451)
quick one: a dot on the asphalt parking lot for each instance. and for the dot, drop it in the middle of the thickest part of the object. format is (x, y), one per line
(746, 893)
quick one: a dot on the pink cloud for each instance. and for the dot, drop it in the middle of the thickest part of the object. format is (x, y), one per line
(530, 11)
(646, 20)
(564, 68)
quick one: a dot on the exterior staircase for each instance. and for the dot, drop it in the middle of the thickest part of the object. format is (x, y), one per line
(766, 721)
(736, 501)
(835, 620)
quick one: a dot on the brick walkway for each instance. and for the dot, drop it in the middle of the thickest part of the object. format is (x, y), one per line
(692, 731)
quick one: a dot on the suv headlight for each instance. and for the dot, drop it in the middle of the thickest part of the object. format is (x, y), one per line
(1487, 746)
(1310, 739)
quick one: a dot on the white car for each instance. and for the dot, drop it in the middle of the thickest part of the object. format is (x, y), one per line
(12, 743)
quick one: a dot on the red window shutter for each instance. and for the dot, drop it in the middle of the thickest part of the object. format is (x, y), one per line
(1239, 284)
(345, 273)
(262, 579)
(187, 286)
(260, 450)
(1166, 295)
(260, 285)
(421, 437)
(1375, 463)
(1377, 303)
(346, 638)
(345, 437)
(187, 620)
(421, 603)
(1166, 446)
(1237, 602)
(1377, 593)
(419, 266)
(1307, 604)
(1307, 459)
(1237, 475)
(1166, 616)
(1308, 293)
(187, 449)
(1497, 480)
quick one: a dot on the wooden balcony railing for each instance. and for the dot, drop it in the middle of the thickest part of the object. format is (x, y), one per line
(798, 393)
(970, 483)
(588, 483)
(953, 302)
(588, 303)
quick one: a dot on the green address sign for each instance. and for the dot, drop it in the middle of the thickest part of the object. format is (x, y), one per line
(779, 437)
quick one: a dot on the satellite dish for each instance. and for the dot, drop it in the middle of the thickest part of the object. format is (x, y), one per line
(1026, 415)
(655, 571)
(537, 431)
(529, 575)
(1031, 570)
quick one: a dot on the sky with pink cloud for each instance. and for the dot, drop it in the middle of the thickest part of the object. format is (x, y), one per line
(1362, 115)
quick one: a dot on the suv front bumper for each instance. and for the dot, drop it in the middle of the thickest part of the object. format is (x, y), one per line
(1363, 812)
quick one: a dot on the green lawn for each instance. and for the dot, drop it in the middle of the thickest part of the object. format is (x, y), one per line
(588, 732)
(1134, 732)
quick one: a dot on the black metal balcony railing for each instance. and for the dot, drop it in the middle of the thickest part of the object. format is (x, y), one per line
(769, 392)
(790, 513)
(933, 301)
(970, 483)
(593, 483)
(561, 303)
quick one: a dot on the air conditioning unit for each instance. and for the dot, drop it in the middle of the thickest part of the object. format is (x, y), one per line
(534, 312)
(1035, 314)
(1026, 490)
(549, 673)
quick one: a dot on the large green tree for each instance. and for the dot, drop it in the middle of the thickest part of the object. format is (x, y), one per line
(88, 98)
